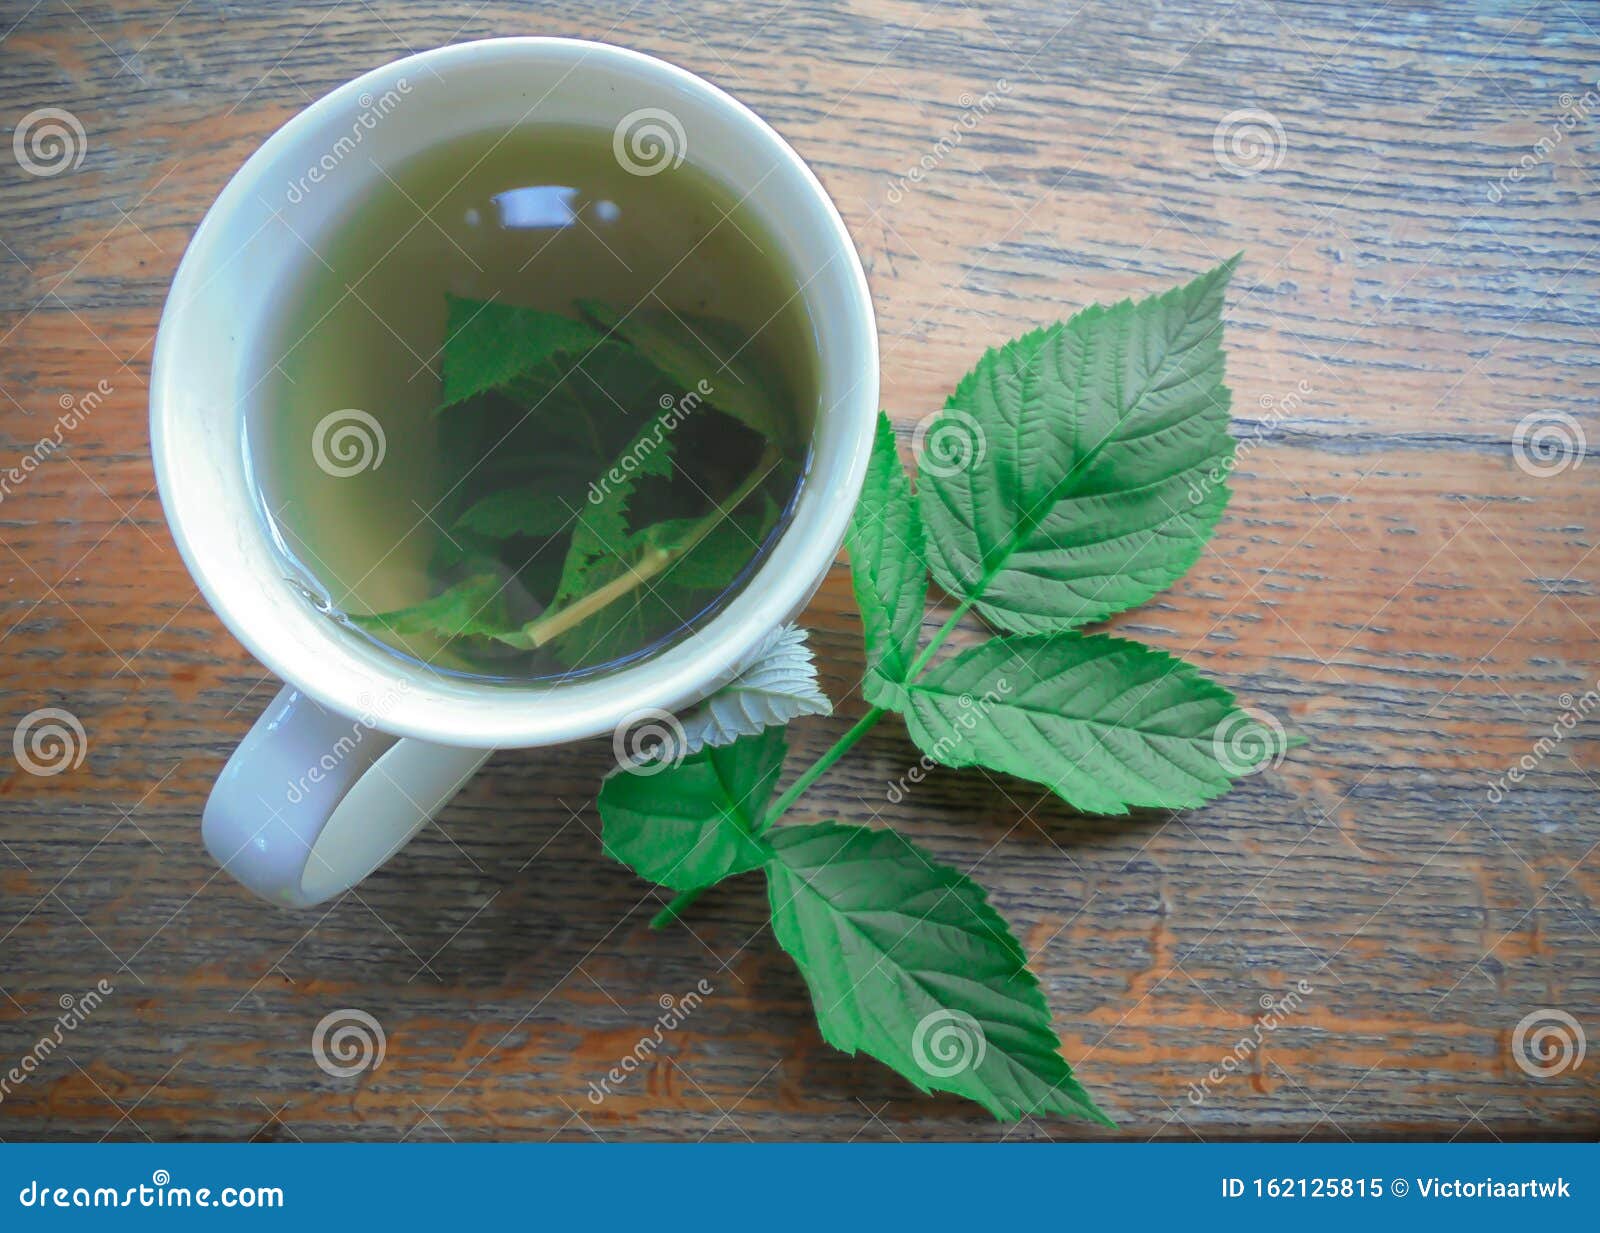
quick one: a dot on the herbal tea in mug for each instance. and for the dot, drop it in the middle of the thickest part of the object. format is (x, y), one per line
(534, 408)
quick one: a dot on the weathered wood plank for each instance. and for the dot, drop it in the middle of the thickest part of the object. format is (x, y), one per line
(1387, 580)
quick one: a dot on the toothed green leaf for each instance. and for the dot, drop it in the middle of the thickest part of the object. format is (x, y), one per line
(488, 344)
(1104, 723)
(478, 606)
(521, 511)
(1077, 470)
(709, 360)
(680, 591)
(888, 568)
(776, 683)
(697, 822)
(906, 960)
(602, 543)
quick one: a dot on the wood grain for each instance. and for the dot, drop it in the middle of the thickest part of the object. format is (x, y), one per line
(1388, 580)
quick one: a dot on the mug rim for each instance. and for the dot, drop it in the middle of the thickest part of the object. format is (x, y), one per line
(664, 681)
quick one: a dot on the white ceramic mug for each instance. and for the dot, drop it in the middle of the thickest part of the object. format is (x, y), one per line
(357, 752)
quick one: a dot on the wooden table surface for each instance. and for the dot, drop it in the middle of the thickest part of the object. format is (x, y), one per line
(1396, 578)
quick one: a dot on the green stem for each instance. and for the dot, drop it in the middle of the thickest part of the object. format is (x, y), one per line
(943, 632)
(684, 899)
(559, 620)
(680, 902)
(819, 768)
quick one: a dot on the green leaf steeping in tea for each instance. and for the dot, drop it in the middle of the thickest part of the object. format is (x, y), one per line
(593, 423)
(488, 345)
(703, 355)
(504, 323)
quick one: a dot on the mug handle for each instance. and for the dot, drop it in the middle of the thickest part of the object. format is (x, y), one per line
(312, 801)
